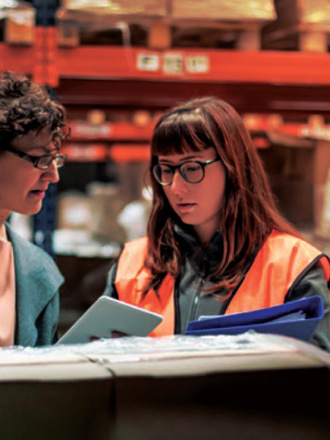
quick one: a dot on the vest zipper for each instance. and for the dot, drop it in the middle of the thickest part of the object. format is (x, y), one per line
(196, 300)
(198, 291)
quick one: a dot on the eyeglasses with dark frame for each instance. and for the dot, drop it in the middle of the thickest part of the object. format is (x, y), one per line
(192, 171)
(41, 162)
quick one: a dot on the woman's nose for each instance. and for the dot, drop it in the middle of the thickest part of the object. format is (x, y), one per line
(178, 185)
(51, 173)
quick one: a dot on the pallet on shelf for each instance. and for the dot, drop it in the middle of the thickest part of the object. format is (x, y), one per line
(163, 34)
(214, 23)
(240, 35)
(97, 21)
(173, 23)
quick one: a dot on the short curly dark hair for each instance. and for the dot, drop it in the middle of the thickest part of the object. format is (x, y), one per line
(26, 106)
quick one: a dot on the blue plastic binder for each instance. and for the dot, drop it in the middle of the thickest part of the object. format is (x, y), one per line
(297, 319)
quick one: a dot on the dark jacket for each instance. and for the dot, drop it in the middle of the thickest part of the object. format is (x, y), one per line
(37, 281)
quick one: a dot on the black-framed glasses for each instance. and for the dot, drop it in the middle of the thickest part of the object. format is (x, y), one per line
(193, 171)
(42, 162)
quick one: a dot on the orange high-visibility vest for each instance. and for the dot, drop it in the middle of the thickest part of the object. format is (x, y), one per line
(276, 266)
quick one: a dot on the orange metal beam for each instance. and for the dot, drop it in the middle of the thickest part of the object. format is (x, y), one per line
(17, 58)
(127, 153)
(111, 131)
(223, 65)
(104, 62)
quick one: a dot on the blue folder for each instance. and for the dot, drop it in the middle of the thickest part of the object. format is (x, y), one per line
(297, 319)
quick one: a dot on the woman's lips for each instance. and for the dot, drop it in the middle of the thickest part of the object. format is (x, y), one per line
(38, 192)
(186, 207)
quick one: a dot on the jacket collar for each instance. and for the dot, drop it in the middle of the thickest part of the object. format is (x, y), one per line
(203, 258)
(36, 284)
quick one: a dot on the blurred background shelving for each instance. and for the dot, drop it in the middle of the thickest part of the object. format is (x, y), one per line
(117, 65)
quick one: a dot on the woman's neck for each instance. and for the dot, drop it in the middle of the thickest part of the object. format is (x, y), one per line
(3, 234)
(206, 233)
(4, 214)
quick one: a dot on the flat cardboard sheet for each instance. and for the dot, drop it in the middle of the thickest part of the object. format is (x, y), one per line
(159, 357)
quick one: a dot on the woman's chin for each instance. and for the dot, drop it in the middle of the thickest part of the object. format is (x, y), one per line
(29, 210)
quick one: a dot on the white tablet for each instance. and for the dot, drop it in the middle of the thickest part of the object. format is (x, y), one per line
(107, 315)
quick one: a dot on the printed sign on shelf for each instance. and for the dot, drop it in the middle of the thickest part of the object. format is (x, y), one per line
(197, 64)
(316, 132)
(148, 62)
(83, 129)
(173, 63)
(85, 153)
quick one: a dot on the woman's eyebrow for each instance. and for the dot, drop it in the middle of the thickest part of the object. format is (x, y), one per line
(184, 159)
(49, 147)
(44, 149)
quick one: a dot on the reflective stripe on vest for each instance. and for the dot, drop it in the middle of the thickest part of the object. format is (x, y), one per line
(277, 265)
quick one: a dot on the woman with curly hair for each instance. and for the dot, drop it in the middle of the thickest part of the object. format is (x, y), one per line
(216, 244)
(32, 127)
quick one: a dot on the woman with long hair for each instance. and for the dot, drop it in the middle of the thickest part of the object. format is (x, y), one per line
(216, 243)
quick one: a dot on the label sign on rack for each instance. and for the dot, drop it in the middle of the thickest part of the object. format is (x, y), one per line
(197, 64)
(173, 63)
(148, 62)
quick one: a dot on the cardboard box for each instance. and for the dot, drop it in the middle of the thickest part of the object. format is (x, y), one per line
(135, 388)
(106, 204)
(300, 25)
(67, 33)
(74, 211)
(298, 170)
(20, 26)
(293, 12)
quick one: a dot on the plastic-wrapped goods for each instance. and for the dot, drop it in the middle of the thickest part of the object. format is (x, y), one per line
(316, 11)
(119, 7)
(258, 10)
(255, 10)
(136, 356)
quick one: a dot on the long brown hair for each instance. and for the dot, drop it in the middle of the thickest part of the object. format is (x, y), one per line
(249, 212)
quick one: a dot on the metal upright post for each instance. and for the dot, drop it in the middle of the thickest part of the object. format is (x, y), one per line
(45, 72)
